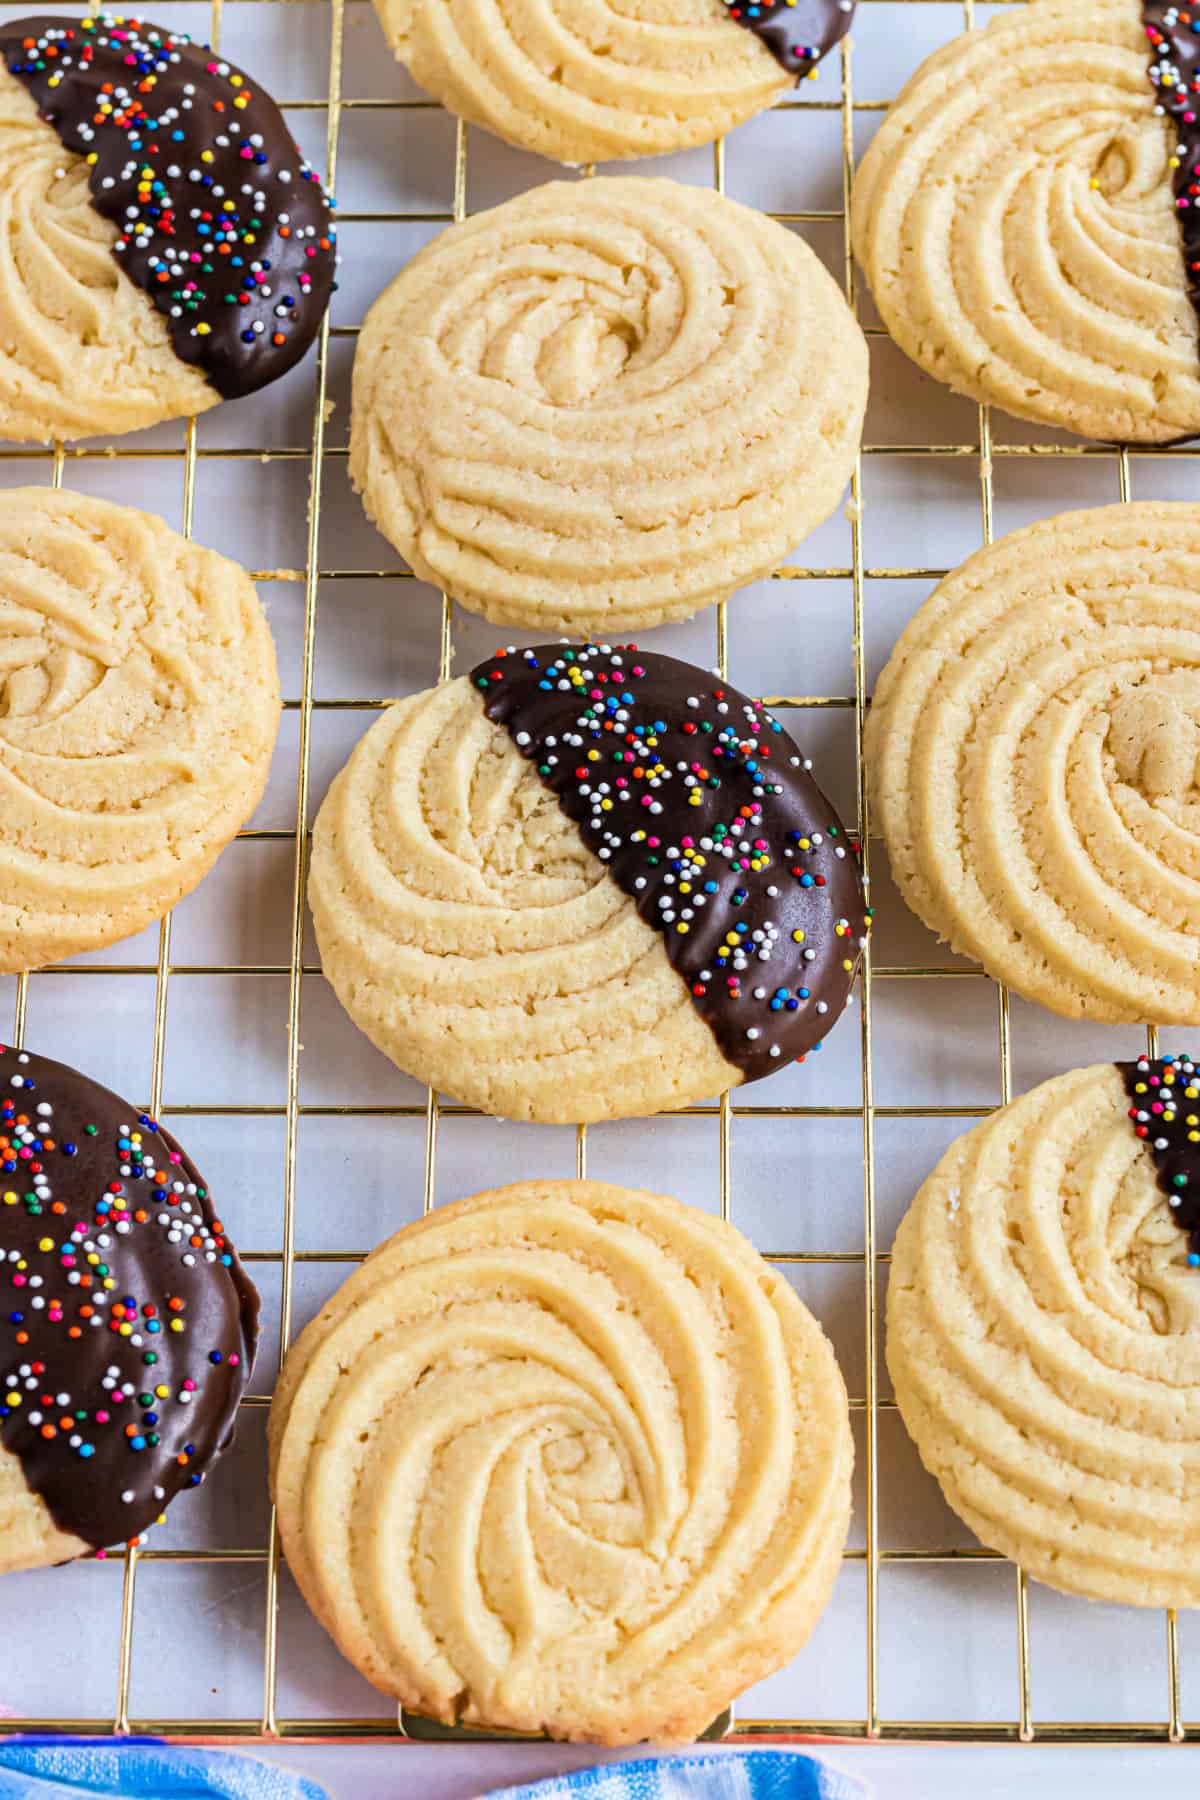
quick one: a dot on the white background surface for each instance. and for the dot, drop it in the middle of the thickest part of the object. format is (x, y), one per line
(947, 1632)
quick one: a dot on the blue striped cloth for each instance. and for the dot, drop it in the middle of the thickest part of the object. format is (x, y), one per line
(732, 1775)
(139, 1769)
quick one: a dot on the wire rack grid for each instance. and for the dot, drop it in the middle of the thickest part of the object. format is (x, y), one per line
(871, 1406)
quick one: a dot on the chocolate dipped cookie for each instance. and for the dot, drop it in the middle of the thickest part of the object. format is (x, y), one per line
(128, 1325)
(618, 78)
(167, 245)
(1027, 216)
(585, 882)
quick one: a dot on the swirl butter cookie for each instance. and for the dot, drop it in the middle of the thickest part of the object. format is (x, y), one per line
(1043, 1330)
(139, 704)
(1034, 753)
(616, 78)
(564, 1457)
(585, 883)
(165, 245)
(128, 1326)
(1026, 217)
(605, 404)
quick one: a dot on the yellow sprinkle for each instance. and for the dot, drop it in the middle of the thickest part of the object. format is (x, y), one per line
(798, 937)
(161, 1391)
(176, 1324)
(12, 1399)
(202, 330)
(45, 1244)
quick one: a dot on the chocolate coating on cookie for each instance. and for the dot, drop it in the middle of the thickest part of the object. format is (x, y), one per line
(798, 33)
(1174, 33)
(703, 811)
(219, 218)
(127, 1325)
(1164, 1093)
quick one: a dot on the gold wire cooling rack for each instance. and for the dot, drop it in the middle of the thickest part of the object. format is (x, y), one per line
(268, 1724)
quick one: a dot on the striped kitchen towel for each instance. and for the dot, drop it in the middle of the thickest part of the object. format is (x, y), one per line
(729, 1775)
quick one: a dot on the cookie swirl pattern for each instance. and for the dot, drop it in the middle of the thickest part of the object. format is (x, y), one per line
(1034, 751)
(606, 404)
(1016, 220)
(587, 83)
(1043, 1337)
(564, 1457)
(139, 703)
